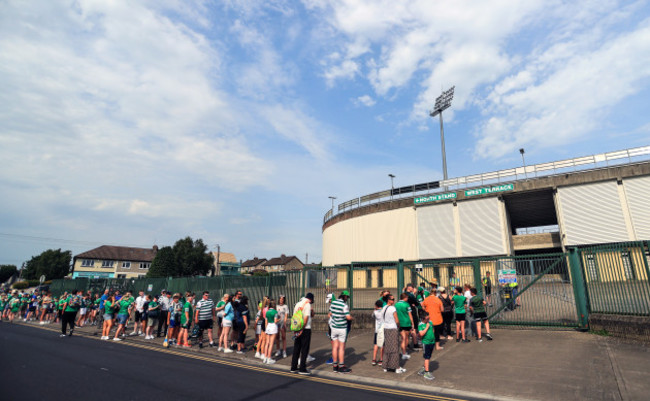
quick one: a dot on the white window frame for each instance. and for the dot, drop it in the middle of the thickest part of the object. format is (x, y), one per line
(591, 267)
(126, 265)
(628, 266)
(145, 265)
(87, 263)
(108, 264)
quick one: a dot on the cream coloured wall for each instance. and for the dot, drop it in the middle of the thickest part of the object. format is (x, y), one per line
(384, 236)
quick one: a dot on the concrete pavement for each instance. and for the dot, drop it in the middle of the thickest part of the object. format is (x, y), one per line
(518, 364)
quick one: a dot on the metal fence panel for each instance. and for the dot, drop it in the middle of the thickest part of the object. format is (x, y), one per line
(616, 277)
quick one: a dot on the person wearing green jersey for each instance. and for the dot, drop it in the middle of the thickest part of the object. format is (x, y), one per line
(405, 317)
(153, 311)
(186, 320)
(70, 309)
(108, 317)
(271, 319)
(59, 306)
(477, 305)
(125, 306)
(14, 307)
(425, 329)
(459, 303)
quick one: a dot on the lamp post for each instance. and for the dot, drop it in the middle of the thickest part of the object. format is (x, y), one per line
(443, 102)
(392, 187)
(523, 159)
(332, 198)
(218, 270)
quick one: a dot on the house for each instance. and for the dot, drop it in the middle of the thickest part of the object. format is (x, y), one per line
(225, 264)
(109, 261)
(282, 263)
(252, 264)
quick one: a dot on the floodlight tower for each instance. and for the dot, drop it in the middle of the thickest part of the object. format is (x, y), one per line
(443, 102)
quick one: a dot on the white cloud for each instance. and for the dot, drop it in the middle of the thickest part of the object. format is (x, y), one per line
(571, 101)
(365, 100)
(298, 127)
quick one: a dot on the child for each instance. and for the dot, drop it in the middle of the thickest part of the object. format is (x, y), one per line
(425, 329)
(477, 305)
(377, 315)
(459, 303)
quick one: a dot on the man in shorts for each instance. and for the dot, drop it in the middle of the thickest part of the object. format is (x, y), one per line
(140, 321)
(405, 317)
(477, 305)
(204, 317)
(339, 315)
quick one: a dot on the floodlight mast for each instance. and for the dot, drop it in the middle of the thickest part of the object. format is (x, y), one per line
(443, 102)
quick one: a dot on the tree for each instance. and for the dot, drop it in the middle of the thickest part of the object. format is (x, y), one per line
(192, 257)
(51, 263)
(164, 263)
(6, 271)
(186, 258)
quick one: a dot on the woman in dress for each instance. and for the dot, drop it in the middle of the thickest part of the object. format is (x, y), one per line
(391, 337)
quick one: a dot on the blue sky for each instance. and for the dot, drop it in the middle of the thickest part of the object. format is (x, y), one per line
(134, 123)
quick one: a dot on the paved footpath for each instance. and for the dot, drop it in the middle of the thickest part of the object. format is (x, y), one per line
(517, 365)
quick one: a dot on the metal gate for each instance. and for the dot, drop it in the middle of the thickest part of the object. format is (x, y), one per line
(542, 293)
(542, 296)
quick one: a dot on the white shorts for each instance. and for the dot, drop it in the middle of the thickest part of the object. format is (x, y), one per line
(271, 328)
(82, 311)
(339, 334)
(226, 323)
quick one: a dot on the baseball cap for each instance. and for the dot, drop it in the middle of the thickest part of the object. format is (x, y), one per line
(345, 292)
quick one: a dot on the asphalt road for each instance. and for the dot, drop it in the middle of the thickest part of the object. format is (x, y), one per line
(39, 365)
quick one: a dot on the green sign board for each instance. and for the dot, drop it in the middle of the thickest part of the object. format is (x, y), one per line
(490, 190)
(434, 198)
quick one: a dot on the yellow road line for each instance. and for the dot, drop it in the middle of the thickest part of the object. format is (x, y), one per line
(322, 380)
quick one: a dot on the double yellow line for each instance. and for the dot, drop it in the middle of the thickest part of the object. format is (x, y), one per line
(339, 383)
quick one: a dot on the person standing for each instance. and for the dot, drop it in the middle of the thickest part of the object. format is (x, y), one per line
(153, 313)
(228, 317)
(283, 313)
(459, 303)
(477, 305)
(428, 340)
(107, 317)
(139, 314)
(242, 319)
(165, 301)
(272, 319)
(339, 315)
(302, 337)
(405, 319)
(186, 321)
(432, 306)
(70, 309)
(391, 337)
(124, 306)
(204, 317)
(487, 287)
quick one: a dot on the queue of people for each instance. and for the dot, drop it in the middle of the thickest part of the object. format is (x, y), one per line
(417, 318)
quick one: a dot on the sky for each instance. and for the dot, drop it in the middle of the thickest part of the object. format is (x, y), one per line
(140, 123)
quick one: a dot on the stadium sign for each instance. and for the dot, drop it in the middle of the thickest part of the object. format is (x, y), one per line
(490, 190)
(434, 198)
